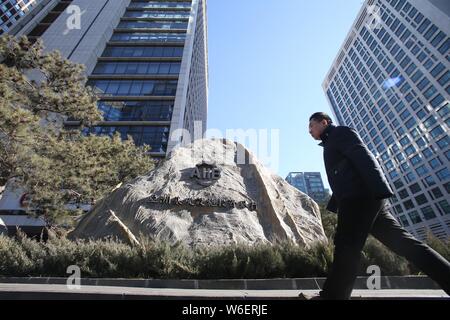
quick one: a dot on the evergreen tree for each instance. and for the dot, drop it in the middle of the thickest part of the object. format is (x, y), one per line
(38, 92)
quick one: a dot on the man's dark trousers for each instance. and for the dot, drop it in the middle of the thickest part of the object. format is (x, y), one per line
(357, 218)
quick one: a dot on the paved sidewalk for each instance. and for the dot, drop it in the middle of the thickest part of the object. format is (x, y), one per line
(46, 291)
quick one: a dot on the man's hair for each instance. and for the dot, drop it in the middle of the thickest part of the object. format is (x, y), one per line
(320, 116)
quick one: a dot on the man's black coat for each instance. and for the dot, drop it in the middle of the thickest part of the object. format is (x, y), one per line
(352, 169)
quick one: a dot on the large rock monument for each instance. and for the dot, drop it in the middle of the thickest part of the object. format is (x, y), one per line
(210, 193)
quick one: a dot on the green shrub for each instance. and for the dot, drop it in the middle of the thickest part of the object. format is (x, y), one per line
(375, 253)
(104, 259)
(443, 247)
(162, 260)
(239, 262)
(13, 260)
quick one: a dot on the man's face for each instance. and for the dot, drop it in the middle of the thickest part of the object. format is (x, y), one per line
(316, 128)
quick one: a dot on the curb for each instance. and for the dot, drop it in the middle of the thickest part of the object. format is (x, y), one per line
(388, 283)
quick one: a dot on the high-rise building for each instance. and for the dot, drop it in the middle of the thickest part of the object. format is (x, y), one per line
(147, 60)
(11, 11)
(310, 183)
(391, 82)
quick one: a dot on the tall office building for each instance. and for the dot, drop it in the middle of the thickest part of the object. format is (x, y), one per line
(310, 183)
(11, 11)
(390, 81)
(147, 60)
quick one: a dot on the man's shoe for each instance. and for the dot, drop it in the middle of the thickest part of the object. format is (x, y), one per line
(304, 296)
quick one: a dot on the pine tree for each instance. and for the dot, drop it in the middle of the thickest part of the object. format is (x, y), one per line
(38, 92)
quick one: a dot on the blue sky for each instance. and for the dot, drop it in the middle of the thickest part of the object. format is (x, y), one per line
(267, 62)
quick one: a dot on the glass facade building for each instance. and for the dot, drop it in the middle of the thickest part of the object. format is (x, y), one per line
(147, 60)
(310, 183)
(11, 11)
(391, 82)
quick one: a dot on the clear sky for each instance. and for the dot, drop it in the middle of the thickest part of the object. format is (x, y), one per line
(267, 62)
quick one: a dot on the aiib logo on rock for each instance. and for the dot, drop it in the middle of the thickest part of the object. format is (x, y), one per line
(206, 174)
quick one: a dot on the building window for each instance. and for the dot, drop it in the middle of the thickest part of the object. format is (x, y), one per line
(445, 110)
(393, 174)
(430, 92)
(137, 68)
(405, 167)
(421, 199)
(135, 88)
(410, 150)
(415, 132)
(409, 205)
(445, 206)
(398, 184)
(410, 123)
(423, 83)
(437, 193)
(437, 101)
(410, 177)
(436, 132)
(444, 174)
(416, 160)
(431, 121)
(428, 153)
(136, 110)
(445, 47)
(398, 208)
(415, 188)
(415, 217)
(421, 142)
(429, 181)
(422, 170)
(444, 142)
(403, 194)
(428, 213)
(437, 70)
(435, 163)
(430, 32)
(447, 187)
(404, 221)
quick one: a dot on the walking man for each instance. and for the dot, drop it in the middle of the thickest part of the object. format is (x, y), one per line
(359, 192)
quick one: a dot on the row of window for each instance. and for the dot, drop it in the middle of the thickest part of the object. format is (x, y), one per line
(147, 37)
(157, 4)
(429, 31)
(435, 192)
(135, 87)
(154, 136)
(428, 181)
(406, 63)
(142, 68)
(152, 25)
(411, 69)
(427, 213)
(416, 160)
(157, 14)
(143, 52)
(383, 59)
(12, 10)
(136, 110)
(443, 144)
